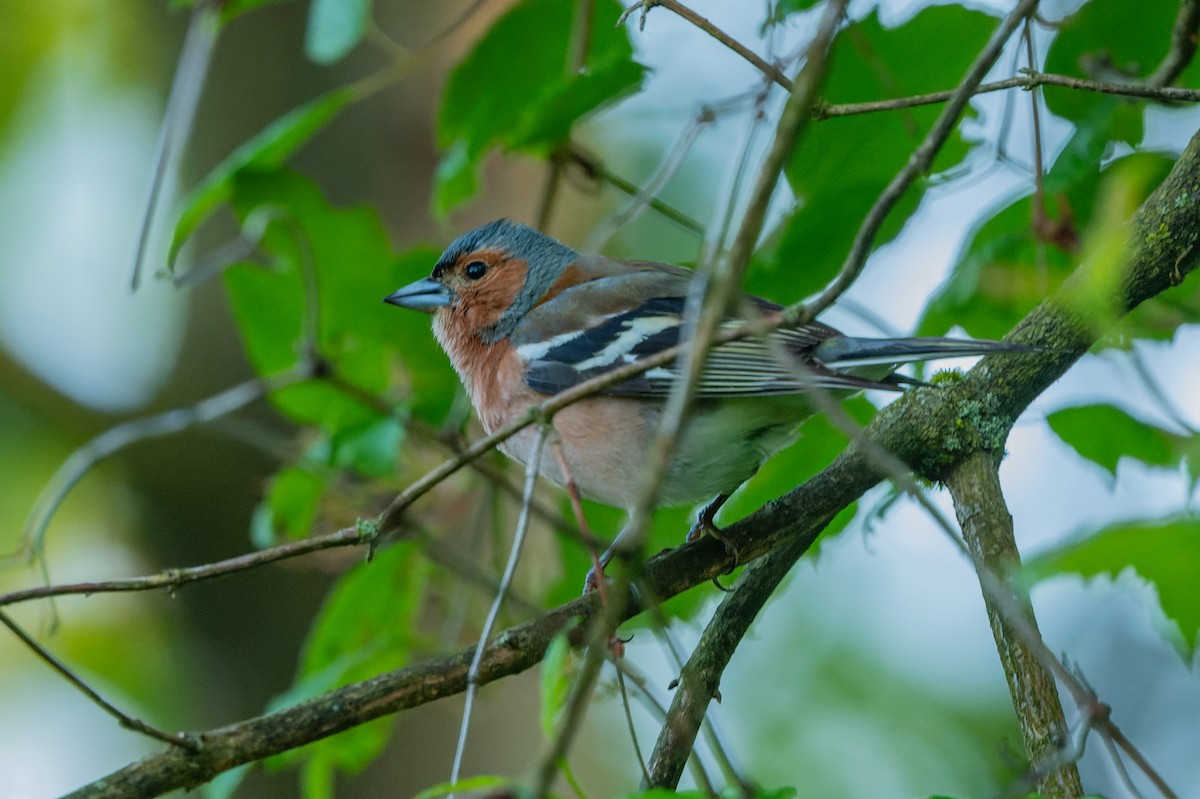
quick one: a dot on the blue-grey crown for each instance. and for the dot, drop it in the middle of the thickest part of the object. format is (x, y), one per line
(547, 259)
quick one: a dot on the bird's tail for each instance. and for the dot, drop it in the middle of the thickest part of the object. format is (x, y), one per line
(846, 352)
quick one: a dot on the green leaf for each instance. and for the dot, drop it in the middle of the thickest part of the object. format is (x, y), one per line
(1086, 46)
(265, 151)
(1163, 552)
(225, 784)
(527, 103)
(340, 259)
(1105, 434)
(486, 785)
(820, 442)
(727, 793)
(455, 180)
(368, 625)
(370, 449)
(842, 164)
(1004, 270)
(293, 499)
(785, 8)
(231, 9)
(334, 28)
(558, 673)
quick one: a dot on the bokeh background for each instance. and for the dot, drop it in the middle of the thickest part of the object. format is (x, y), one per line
(873, 674)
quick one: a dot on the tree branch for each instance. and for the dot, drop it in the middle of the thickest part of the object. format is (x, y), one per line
(918, 163)
(703, 23)
(974, 414)
(1030, 80)
(988, 531)
(699, 679)
(1183, 45)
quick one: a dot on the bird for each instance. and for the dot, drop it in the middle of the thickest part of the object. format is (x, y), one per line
(523, 316)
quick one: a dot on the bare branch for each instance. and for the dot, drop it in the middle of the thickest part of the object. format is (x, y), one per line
(594, 168)
(1164, 94)
(192, 69)
(113, 440)
(918, 163)
(769, 70)
(988, 531)
(1183, 45)
(700, 677)
(510, 569)
(912, 428)
(126, 720)
(173, 579)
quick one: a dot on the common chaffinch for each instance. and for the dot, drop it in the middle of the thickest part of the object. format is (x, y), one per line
(523, 316)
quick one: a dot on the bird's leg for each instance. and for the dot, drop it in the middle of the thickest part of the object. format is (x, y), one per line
(706, 523)
(594, 581)
(595, 576)
(706, 519)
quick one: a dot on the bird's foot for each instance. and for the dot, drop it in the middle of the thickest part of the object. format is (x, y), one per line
(705, 524)
(701, 527)
(594, 581)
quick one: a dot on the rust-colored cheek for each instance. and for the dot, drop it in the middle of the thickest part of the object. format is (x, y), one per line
(483, 303)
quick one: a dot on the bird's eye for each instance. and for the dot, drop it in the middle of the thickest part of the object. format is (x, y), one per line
(475, 270)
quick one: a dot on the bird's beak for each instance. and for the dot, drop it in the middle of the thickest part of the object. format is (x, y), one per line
(425, 295)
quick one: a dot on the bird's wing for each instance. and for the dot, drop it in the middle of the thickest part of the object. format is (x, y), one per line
(779, 364)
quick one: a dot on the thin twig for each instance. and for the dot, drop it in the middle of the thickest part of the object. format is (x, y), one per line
(1183, 45)
(113, 440)
(718, 292)
(1166, 94)
(1119, 766)
(1063, 324)
(727, 274)
(194, 59)
(180, 739)
(173, 579)
(532, 470)
(1137, 757)
(594, 168)
(769, 70)
(667, 169)
(918, 163)
(629, 725)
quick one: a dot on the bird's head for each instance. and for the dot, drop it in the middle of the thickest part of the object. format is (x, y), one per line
(489, 278)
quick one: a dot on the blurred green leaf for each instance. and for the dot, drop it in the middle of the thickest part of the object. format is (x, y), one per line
(728, 793)
(1104, 434)
(231, 9)
(470, 784)
(1005, 270)
(558, 674)
(1085, 46)
(293, 498)
(266, 151)
(842, 164)
(339, 260)
(819, 443)
(1163, 552)
(530, 102)
(454, 180)
(368, 625)
(370, 449)
(225, 784)
(785, 8)
(334, 28)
